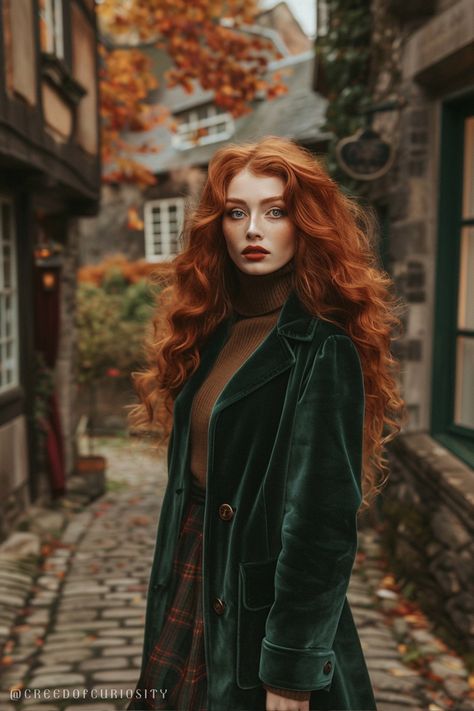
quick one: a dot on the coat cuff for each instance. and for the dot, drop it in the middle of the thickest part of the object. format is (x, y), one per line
(296, 668)
(289, 693)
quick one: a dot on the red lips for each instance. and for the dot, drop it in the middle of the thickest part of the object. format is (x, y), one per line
(255, 248)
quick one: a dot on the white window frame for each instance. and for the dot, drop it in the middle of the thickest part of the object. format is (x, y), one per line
(188, 127)
(52, 16)
(151, 233)
(12, 292)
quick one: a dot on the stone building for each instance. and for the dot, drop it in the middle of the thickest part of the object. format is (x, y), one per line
(50, 175)
(425, 64)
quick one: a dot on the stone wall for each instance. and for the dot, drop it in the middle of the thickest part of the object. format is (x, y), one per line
(428, 510)
(427, 507)
(406, 196)
(107, 233)
(13, 473)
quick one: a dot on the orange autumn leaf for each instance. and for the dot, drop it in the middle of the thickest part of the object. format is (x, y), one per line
(140, 520)
(134, 222)
(433, 677)
(417, 619)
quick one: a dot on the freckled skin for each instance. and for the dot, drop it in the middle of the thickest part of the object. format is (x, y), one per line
(251, 222)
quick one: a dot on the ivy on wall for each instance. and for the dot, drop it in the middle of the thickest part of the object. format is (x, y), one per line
(344, 53)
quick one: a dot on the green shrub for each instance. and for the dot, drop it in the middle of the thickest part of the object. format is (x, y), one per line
(111, 322)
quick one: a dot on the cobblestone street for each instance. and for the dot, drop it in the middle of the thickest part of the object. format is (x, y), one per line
(81, 619)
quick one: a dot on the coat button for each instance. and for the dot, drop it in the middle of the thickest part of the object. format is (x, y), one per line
(327, 668)
(226, 512)
(218, 606)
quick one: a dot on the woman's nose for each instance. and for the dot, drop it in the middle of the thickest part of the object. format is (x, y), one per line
(254, 229)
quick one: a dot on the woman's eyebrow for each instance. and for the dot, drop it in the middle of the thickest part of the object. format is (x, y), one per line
(262, 202)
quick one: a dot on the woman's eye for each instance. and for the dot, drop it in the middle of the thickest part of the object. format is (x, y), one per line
(231, 213)
(278, 210)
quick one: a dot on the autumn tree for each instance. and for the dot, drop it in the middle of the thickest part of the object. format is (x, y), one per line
(211, 43)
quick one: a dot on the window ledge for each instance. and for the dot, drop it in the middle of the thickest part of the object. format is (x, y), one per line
(460, 446)
(55, 71)
(437, 466)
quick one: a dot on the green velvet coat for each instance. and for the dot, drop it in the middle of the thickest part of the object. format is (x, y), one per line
(284, 451)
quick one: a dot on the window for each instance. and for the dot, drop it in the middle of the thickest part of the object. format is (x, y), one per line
(8, 300)
(464, 387)
(453, 363)
(51, 27)
(202, 125)
(163, 223)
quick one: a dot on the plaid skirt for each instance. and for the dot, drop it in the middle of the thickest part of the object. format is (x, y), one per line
(176, 667)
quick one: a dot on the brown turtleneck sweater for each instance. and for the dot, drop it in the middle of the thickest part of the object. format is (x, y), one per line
(257, 302)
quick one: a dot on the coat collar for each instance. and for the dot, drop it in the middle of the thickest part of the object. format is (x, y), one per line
(294, 321)
(273, 356)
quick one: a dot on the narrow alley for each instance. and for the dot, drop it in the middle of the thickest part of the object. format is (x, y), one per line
(79, 632)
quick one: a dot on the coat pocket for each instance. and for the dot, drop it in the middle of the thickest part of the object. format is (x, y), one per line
(256, 596)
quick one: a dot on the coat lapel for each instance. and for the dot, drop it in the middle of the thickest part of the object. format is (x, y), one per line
(273, 356)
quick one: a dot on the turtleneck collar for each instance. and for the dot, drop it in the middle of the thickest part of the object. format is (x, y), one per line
(263, 293)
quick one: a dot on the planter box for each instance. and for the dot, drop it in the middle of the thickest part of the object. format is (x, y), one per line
(89, 476)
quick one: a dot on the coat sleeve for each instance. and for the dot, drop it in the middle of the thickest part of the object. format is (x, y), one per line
(319, 529)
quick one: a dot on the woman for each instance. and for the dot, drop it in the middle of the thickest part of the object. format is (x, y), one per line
(271, 359)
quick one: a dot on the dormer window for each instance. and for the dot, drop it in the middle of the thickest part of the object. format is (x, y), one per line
(202, 125)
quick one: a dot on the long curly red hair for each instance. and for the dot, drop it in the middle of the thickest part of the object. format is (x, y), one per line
(337, 278)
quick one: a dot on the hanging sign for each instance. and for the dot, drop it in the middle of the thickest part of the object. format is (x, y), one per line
(365, 155)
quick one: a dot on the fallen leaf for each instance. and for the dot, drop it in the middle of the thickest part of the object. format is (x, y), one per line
(386, 594)
(401, 672)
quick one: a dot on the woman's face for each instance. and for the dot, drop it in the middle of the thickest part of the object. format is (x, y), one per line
(255, 218)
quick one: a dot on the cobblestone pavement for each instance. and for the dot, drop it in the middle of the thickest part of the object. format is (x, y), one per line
(81, 624)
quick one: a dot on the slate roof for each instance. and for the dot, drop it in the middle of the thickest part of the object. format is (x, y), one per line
(299, 115)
